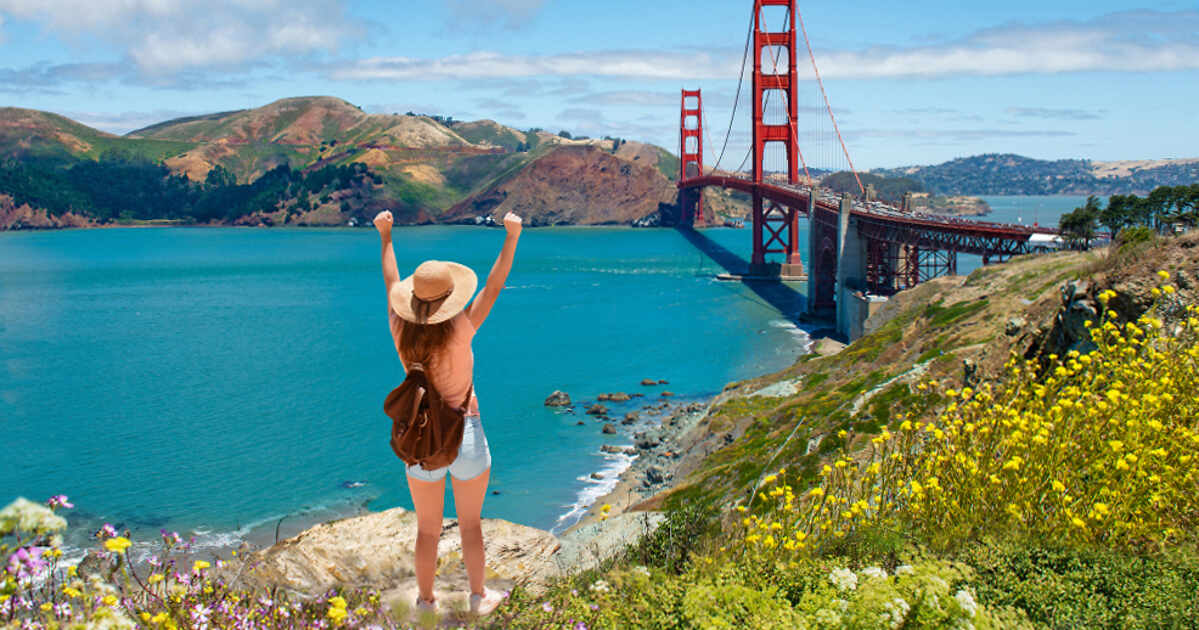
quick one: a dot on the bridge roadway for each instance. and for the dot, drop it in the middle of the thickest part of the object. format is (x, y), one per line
(860, 251)
(880, 221)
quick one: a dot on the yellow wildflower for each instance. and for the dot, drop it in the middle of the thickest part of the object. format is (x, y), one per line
(117, 545)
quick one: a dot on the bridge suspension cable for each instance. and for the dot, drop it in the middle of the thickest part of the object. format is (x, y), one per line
(736, 98)
(827, 106)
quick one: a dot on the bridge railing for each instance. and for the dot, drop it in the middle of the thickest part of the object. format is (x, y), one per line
(880, 210)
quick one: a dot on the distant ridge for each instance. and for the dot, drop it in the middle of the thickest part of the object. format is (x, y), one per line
(178, 121)
(1010, 174)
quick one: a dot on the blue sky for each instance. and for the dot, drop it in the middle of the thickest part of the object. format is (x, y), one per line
(910, 83)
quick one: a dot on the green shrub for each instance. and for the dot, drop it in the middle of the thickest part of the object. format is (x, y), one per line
(709, 606)
(670, 546)
(1064, 588)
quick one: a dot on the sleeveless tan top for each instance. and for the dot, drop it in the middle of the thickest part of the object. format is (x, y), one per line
(453, 370)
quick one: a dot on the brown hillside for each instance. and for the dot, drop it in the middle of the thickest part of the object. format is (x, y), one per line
(573, 184)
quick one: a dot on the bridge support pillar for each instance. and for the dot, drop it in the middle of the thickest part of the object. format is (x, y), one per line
(691, 156)
(852, 303)
(822, 259)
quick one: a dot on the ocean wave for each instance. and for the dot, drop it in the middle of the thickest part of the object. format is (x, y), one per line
(593, 489)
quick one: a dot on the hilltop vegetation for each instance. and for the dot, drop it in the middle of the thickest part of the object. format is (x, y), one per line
(271, 166)
(1132, 217)
(1008, 174)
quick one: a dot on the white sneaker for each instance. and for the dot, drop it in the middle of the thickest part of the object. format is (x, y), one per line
(423, 607)
(485, 603)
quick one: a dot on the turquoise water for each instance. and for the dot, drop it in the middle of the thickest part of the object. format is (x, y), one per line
(212, 381)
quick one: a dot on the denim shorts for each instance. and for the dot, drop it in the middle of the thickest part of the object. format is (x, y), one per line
(474, 458)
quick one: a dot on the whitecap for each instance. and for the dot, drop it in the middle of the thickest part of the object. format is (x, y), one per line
(593, 489)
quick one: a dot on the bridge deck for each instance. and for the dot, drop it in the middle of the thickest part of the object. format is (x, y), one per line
(877, 212)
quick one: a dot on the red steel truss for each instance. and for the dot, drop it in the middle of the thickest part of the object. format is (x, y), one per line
(691, 155)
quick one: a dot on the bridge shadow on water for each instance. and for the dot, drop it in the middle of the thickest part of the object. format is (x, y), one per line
(784, 298)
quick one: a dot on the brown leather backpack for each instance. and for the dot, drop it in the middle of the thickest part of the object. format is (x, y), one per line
(425, 429)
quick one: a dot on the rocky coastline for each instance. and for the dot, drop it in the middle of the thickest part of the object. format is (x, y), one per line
(373, 550)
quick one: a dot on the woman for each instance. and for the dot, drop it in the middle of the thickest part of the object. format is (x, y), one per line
(431, 324)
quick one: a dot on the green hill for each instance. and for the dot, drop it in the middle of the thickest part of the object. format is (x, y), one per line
(417, 166)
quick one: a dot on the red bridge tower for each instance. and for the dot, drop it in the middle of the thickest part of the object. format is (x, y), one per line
(775, 226)
(691, 157)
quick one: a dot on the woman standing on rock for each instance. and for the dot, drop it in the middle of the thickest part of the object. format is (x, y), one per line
(431, 324)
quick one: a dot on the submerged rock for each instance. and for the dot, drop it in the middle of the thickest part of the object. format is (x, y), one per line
(629, 418)
(609, 428)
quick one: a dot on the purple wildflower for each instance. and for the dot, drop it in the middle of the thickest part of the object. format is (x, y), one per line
(547, 607)
(59, 500)
(580, 626)
(62, 610)
(107, 531)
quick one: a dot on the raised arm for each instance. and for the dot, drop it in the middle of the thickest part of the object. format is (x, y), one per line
(478, 310)
(391, 273)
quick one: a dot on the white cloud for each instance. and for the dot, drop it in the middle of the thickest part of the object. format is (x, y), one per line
(1137, 41)
(640, 64)
(1048, 113)
(1134, 41)
(163, 36)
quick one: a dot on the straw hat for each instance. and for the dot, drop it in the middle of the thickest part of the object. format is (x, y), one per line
(435, 292)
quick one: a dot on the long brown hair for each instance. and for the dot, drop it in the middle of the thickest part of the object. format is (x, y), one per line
(421, 342)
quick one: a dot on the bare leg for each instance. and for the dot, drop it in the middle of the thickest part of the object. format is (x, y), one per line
(429, 499)
(468, 502)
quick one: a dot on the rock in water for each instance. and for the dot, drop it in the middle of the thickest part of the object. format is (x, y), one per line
(649, 381)
(597, 410)
(558, 399)
(614, 397)
(609, 428)
(663, 381)
(629, 418)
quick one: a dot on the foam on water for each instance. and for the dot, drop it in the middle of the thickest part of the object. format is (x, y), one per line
(616, 464)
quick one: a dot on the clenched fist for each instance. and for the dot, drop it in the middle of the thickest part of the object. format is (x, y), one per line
(512, 224)
(383, 222)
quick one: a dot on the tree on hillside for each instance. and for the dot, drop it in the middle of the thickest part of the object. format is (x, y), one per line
(1080, 224)
(564, 134)
(1120, 213)
(219, 177)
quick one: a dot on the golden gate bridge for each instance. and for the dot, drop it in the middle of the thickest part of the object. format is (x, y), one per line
(858, 246)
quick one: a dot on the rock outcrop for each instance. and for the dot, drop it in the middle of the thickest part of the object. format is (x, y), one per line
(375, 551)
